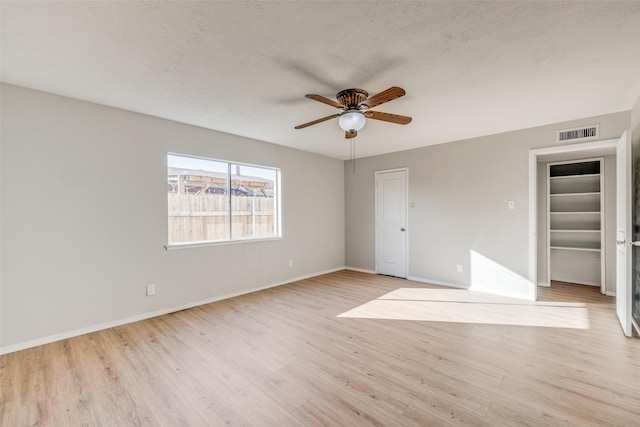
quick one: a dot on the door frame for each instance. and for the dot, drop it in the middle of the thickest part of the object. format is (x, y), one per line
(406, 218)
(555, 153)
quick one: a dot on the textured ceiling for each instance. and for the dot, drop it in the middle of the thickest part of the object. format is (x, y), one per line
(469, 68)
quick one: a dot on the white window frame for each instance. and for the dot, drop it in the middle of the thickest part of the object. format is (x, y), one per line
(233, 240)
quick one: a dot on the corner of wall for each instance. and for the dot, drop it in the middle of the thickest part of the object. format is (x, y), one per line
(635, 118)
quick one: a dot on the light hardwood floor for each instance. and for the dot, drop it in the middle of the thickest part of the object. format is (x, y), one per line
(343, 349)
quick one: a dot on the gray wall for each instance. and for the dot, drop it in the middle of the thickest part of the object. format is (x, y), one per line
(635, 117)
(461, 191)
(84, 217)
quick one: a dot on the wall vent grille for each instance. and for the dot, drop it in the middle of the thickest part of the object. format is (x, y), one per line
(580, 134)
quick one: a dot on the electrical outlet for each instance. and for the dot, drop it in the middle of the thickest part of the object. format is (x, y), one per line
(290, 263)
(459, 268)
(151, 289)
(511, 204)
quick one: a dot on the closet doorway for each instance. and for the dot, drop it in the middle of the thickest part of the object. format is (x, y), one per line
(576, 250)
(539, 234)
(620, 239)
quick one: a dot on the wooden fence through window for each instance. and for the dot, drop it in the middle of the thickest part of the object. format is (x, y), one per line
(205, 217)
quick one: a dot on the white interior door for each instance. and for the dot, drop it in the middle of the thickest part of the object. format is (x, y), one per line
(623, 235)
(391, 223)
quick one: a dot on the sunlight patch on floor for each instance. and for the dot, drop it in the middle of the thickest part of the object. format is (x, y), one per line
(462, 306)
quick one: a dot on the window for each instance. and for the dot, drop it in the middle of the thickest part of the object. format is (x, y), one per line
(216, 201)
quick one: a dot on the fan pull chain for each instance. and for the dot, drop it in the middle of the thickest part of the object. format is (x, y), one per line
(352, 154)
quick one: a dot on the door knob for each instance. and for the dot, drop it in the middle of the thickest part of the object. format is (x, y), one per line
(402, 229)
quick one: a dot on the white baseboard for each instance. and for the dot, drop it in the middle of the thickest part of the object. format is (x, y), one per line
(361, 270)
(70, 334)
(437, 282)
(544, 284)
(610, 294)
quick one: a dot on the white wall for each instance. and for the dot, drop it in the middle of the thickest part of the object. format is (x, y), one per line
(461, 191)
(83, 218)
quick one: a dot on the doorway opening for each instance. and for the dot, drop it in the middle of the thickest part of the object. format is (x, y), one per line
(576, 224)
(620, 151)
(538, 176)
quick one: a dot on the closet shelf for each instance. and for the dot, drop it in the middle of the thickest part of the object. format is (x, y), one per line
(582, 176)
(564, 230)
(576, 213)
(590, 193)
(570, 248)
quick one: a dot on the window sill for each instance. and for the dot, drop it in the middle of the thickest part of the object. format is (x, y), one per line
(187, 245)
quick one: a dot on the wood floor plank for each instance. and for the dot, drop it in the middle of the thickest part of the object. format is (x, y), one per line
(341, 349)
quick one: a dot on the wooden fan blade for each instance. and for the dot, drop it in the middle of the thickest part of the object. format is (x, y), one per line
(386, 117)
(325, 100)
(324, 119)
(384, 96)
(350, 134)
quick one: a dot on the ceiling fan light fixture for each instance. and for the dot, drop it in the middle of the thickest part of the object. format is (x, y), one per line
(352, 120)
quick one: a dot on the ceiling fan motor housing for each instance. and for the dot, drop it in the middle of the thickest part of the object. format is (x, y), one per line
(351, 98)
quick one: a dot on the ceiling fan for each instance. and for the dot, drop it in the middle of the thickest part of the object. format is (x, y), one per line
(355, 104)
